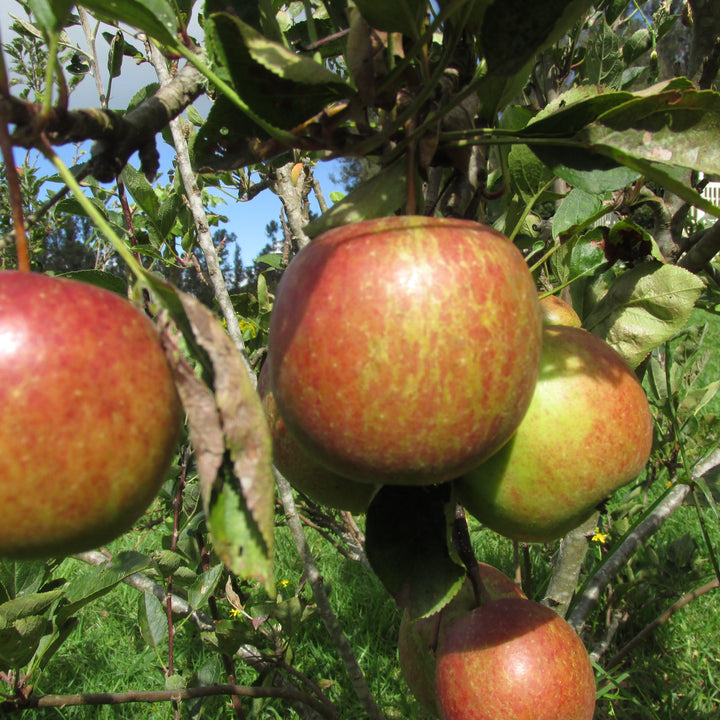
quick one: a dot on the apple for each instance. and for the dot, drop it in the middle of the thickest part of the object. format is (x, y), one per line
(588, 431)
(302, 471)
(417, 640)
(90, 415)
(513, 659)
(405, 350)
(555, 311)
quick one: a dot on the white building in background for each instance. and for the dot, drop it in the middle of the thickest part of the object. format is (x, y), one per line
(710, 192)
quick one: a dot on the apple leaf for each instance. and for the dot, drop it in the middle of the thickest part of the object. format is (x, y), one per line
(643, 308)
(20, 577)
(405, 16)
(26, 605)
(276, 58)
(19, 641)
(99, 278)
(674, 127)
(514, 31)
(155, 17)
(576, 261)
(100, 580)
(576, 209)
(581, 169)
(603, 64)
(152, 619)
(528, 174)
(232, 443)
(381, 196)
(408, 532)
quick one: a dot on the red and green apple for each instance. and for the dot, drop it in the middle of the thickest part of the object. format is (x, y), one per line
(405, 350)
(90, 415)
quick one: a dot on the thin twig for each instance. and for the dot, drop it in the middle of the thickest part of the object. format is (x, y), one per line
(357, 678)
(658, 621)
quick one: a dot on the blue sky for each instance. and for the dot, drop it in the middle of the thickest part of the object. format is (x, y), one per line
(247, 220)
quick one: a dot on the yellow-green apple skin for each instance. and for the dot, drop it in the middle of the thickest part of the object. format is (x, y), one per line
(588, 431)
(405, 350)
(513, 659)
(302, 471)
(418, 639)
(90, 415)
(555, 311)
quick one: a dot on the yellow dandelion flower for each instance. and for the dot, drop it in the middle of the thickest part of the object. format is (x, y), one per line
(600, 537)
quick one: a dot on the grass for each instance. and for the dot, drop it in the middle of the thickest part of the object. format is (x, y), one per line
(674, 673)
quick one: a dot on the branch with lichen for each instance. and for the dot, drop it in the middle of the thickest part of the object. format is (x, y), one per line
(117, 135)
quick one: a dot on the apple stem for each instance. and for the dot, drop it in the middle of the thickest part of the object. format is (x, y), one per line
(463, 546)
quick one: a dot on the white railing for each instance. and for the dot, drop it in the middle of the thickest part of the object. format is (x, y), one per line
(710, 192)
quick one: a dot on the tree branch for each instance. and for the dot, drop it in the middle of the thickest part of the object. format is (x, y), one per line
(669, 504)
(568, 563)
(707, 245)
(153, 696)
(202, 226)
(294, 202)
(118, 136)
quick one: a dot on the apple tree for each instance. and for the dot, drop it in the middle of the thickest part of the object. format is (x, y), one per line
(583, 134)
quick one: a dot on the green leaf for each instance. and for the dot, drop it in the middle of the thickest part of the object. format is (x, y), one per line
(152, 620)
(51, 642)
(603, 64)
(19, 642)
(644, 308)
(637, 44)
(155, 17)
(576, 261)
(380, 196)
(204, 586)
(279, 60)
(528, 174)
(573, 110)
(584, 170)
(673, 127)
(613, 9)
(167, 562)
(229, 433)
(99, 278)
(115, 56)
(51, 14)
(407, 543)
(514, 31)
(576, 209)
(22, 577)
(279, 89)
(141, 190)
(404, 16)
(26, 605)
(274, 260)
(194, 115)
(98, 581)
(70, 206)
